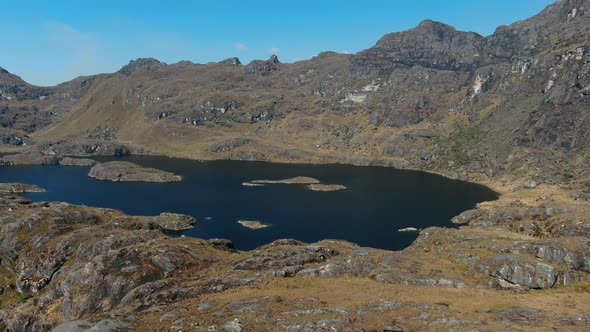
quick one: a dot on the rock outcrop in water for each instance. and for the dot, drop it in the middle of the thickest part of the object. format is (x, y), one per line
(325, 187)
(125, 171)
(295, 180)
(252, 224)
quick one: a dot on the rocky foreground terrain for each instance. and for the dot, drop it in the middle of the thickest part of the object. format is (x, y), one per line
(513, 265)
(510, 110)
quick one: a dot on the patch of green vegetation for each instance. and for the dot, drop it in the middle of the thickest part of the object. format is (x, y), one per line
(540, 230)
(10, 299)
(461, 143)
(344, 132)
(567, 178)
(515, 164)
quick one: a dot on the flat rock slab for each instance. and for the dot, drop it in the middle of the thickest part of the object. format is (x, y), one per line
(252, 224)
(125, 171)
(250, 184)
(295, 180)
(20, 188)
(325, 187)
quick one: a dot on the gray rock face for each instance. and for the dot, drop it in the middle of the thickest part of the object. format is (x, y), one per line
(125, 171)
(263, 68)
(232, 61)
(12, 139)
(529, 275)
(554, 251)
(288, 261)
(524, 315)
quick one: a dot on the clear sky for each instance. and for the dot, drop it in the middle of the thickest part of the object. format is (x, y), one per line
(51, 41)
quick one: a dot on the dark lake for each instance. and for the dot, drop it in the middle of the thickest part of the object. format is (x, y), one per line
(377, 203)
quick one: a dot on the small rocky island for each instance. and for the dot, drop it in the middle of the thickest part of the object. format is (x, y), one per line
(119, 171)
(312, 183)
(295, 180)
(250, 184)
(252, 224)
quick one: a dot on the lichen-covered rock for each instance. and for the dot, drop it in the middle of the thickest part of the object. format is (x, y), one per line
(284, 259)
(173, 222)
(528, 275)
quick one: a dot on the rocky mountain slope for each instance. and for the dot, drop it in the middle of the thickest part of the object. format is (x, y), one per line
(431, 98)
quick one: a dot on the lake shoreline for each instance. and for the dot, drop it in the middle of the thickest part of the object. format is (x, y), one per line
(291, 204)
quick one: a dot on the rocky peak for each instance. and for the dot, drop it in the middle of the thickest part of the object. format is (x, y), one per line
(7, 77)
(231, 61)
(147, 64)
(439, 29)
(430, 45)
(262, 68)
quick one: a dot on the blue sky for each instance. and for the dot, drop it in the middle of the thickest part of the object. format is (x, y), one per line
(51, 41)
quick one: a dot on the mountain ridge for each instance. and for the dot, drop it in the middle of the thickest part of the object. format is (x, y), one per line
(524, 87)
